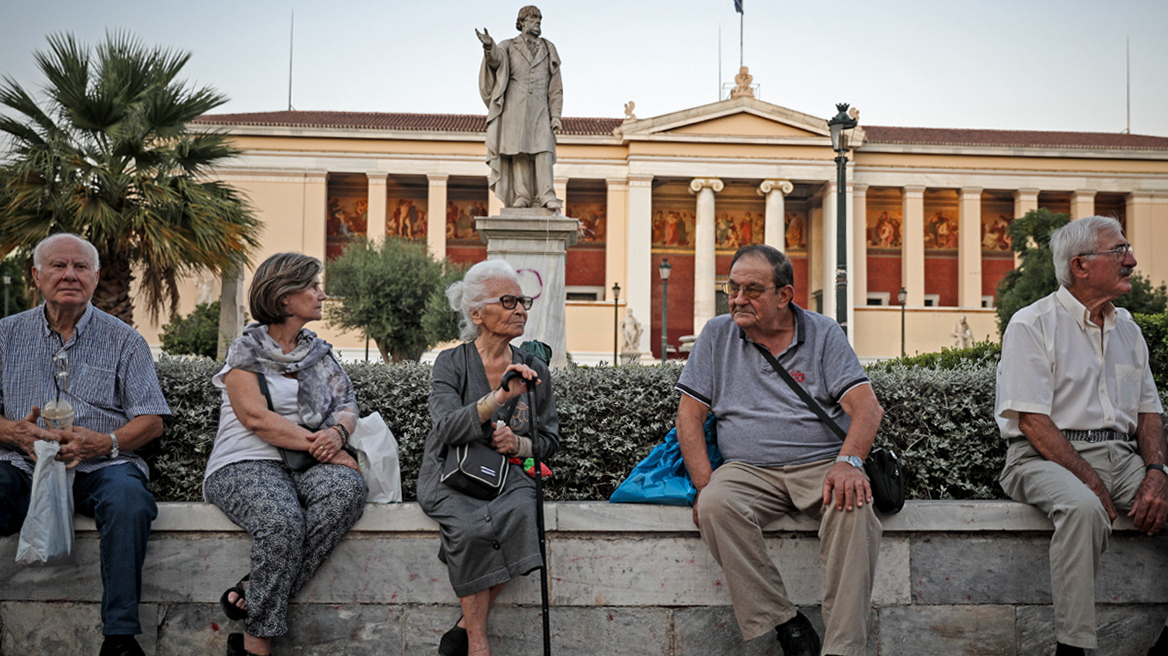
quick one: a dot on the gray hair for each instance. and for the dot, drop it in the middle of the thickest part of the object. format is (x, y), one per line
(1076, 238)
(38, 253)
(467, 295)
(524, 13)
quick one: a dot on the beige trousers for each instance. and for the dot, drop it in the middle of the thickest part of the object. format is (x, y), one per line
(741, 499)
(1081, 526)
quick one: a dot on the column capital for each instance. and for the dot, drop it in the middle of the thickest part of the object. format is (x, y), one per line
(917, 191)
(641, 180)
(782, 186)
(698, 184)
(437, 179)
(1085, 193)
(560, 180)
(377, 177)
(1025, 193)
(859, 188)
(969, 191)
(616, 184)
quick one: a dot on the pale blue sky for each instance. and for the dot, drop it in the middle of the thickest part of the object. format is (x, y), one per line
(1018, 64)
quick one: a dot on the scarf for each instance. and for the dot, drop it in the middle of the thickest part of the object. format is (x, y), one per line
(325, 391)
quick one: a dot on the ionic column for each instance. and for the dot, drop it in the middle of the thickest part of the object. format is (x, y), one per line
(1082, 204)
(375, 226)
(704, 257)
(912, 245)
(616, 235)
(561, 186)
(436, 215)
(969, 247)
(315, 228)
(639, 291)
(1140, 230)
(1025, 200)
(859, 266)
(775, 233)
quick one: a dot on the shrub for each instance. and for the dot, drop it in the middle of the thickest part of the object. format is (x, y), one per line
(984, 352)
(195, 334)
(1155, 329)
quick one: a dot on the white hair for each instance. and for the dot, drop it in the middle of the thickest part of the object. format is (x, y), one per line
(1077, 238)
(38, 253)
(467, 294)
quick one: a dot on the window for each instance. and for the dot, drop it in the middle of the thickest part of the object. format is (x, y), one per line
(878, 299)
(932, 300)
(582, 293)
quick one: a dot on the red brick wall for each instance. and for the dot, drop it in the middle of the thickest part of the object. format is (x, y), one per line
(992, 272)
(467, 255)
(884, 275)
(585, 267)
(941, 278)
(681, 299)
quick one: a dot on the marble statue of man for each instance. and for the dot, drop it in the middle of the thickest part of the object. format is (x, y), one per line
(520, 83)
(631, 330)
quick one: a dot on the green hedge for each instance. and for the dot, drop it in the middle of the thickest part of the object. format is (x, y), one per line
(938, 418)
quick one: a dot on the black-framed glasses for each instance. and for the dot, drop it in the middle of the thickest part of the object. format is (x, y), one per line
(1120, 252)
(508, 301)
(750, 291)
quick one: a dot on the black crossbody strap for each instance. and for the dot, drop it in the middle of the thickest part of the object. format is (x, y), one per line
(263, 380)
(798, 389)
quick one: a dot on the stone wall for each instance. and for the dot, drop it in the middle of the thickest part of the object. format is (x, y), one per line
(966, 578)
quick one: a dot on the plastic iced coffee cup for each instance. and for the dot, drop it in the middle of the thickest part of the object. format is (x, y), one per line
(58, 415)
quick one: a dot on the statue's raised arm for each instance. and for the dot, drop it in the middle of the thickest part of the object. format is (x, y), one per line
(519, 81)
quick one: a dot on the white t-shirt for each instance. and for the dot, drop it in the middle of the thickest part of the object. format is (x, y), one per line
(233, 442)
(1057, 363)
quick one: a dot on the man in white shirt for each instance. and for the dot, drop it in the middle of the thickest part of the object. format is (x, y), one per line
(1077, 402)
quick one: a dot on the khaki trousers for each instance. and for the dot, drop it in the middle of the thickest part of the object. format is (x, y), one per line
(1081, 526)
(741, 499)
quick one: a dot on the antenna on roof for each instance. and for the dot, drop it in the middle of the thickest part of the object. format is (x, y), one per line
(291, 45)
(1128, 129)
(719, 61)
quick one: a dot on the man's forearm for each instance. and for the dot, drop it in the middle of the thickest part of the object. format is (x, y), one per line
(691, 437)
(1150, 437)
(138, 432)
(1051, 444)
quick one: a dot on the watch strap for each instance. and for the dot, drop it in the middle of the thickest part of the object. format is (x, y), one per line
(1163, 469)
(114, 451)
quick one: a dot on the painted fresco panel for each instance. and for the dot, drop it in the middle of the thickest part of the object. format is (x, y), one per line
(347, 216)
(884, 228)
(460, 219)
(405, 217)
(941, 231)
(673, 227)
(797, 231)
(593, 222)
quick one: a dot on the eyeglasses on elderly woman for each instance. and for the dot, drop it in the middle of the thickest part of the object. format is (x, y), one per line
(509, 301)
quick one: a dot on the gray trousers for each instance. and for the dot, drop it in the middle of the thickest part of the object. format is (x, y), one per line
(532, 179)
(295, 520)
(741, 499)
(1081, 525)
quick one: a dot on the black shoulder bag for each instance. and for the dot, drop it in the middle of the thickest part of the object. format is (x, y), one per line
(882, 466)
(474, 468)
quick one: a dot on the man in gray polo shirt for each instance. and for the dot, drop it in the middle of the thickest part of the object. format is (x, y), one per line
(779, 457)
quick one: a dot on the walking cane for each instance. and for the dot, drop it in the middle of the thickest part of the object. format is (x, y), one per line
(539, 523)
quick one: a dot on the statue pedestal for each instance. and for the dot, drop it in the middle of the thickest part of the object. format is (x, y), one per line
(535, 242)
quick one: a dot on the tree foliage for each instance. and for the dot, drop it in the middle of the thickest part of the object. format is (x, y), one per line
(111, 156)
(195, 334)
(1035, 278)
(17, 299)
(392, 290)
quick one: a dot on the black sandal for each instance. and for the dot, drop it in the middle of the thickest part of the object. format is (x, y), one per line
(232, 611)
(454, 642)
(235, 646)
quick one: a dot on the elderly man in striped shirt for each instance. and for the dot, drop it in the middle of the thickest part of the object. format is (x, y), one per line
(113, 388)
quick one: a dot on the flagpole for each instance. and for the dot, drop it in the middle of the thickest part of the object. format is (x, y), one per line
(741, 17)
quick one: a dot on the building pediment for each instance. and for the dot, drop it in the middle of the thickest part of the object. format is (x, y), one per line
(739, 119)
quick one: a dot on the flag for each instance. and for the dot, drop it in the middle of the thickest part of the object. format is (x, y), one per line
(738, 6)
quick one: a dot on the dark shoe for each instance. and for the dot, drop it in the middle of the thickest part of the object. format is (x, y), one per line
(120, 645)
(454, 642)
(1067, 650)
(235, 646)
(232, 611)
(1161, 646)
(798, 638)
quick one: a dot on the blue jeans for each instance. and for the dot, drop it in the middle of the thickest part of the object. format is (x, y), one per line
(118, 499)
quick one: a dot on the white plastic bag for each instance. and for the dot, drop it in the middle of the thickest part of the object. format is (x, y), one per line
(377, 456)
(47, 535)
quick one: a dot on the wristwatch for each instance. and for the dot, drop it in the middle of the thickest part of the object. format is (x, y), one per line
(114, 451)
(1156, 465)
(851, 460)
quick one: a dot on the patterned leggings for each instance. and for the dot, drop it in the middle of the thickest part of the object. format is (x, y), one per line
(295, 520)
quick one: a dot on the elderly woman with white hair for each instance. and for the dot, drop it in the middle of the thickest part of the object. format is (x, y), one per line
(486, 543)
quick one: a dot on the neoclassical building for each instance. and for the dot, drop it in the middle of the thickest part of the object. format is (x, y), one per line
(926, 208)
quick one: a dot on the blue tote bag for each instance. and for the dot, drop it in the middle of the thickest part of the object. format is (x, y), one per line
(661, 477)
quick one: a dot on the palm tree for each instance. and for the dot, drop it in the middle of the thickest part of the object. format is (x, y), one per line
(111, 157)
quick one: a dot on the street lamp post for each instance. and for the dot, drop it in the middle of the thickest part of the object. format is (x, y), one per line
(900, 297)
(664, 271)
(841, 126)
(615, 321)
